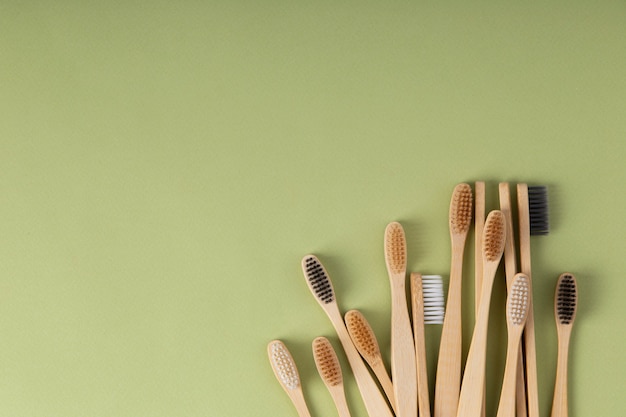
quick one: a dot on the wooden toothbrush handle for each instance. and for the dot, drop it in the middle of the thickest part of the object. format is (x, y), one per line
(385, 382)
(372, 397)
(403, 368)
(339, 396)
(448, 379)
(417, 304)
(298, 401)
(506, 407)
(530, 352)
(559, 402)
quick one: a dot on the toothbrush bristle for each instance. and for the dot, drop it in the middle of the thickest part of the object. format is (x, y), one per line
(362, 335)
(434, 301)
(318, 279)
(327, 362)
(283, 365)
(494, 235)
(566, 298)
(517, 300)
(538, 210)
(461, 208)
(395, 248)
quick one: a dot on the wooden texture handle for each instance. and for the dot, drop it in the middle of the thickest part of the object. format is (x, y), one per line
(530, 352)
(403, 368)
(372, 398)
(559, 402)
(417, 304)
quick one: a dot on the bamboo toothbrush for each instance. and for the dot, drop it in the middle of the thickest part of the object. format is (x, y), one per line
(403, 367)
(516, 313)
(479, 224)
(473, 386)
(449, 363)
(427, 302)
(510, 267)
(287, 374)
(565, 303)
(365, 342)
(533, 220)
(320, 285)
(329, 369)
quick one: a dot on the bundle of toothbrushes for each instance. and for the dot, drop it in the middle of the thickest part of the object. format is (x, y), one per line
(459, 387)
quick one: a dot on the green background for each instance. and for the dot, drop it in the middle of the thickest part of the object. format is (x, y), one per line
(166, 165)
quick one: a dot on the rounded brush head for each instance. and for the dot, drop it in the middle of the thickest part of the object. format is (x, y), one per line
(283, 365)
(461, 209)
(362, 336)
(318, 279)
(494, 234)
(517, 302)
(395, 248)
(327, 362)
(566, 299)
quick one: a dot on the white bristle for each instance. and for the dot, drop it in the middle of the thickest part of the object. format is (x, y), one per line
(517, 302)
(434, 301)
(284, 365)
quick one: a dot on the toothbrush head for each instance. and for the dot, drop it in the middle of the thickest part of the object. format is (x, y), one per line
(395, 248)
(517, 302)
(283, 365)
(327, 362)
(494, 234)
(461, 209)
(318, 279)
(566, 299)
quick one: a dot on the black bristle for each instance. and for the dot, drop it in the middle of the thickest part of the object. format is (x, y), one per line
(319, 281)
(566, 299)
(538, 210)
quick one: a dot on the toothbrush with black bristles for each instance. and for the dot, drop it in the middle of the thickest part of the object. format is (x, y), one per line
(320, 285)
(532, 210)
(565, 305)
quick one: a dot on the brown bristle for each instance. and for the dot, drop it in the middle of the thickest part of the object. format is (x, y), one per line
(461, 208)
(362, 335)
(517, 300)
(494, 234)
(327, 362)
(566, 299)
(395, 248)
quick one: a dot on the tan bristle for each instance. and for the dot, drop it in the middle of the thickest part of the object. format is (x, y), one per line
(327, 362)
(362, 335)
(461, 208)
(494, 234)
(395, 248)
(517, 300)
(283, 365)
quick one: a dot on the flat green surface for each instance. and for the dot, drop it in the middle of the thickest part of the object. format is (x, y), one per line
(166, 165)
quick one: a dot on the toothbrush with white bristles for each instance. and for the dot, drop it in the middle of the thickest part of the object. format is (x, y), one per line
(428, 307)
(516, 312)
(286, 372)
